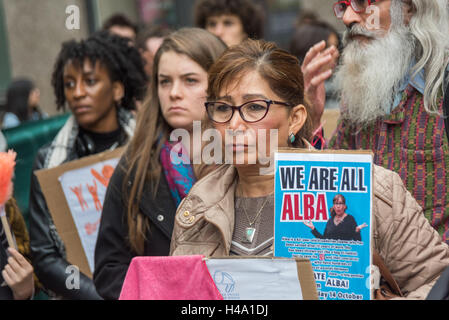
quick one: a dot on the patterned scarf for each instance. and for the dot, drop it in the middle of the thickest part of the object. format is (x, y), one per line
(64, 142)
(179, 174)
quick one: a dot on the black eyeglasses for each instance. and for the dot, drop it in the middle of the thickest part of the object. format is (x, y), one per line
(251, 111)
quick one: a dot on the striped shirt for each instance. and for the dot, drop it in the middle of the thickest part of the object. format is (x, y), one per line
(413, 143)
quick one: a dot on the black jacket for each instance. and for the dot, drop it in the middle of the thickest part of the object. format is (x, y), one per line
(344, 231)
(47, 249)
(113, 253)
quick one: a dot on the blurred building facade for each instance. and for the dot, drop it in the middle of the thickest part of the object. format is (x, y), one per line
(31, 32)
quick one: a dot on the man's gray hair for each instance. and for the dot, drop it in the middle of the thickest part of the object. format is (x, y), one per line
(429, 25)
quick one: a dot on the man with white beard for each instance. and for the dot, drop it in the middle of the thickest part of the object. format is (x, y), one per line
(391, 81)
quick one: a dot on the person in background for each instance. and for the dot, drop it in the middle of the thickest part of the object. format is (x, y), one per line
(122, 26)
(231, 20)
(22, 104)
(256, 87)
(146, 187)
(306, 17)
(98, 79)
(392, 78)
(308, 34)
(148, 42)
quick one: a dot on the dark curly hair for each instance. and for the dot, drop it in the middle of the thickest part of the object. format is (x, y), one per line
(250, 14)
(122, 61)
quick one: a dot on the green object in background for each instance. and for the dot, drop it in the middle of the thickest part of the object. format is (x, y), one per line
(26, 140)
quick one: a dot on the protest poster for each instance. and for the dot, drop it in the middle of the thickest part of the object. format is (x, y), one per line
(262, 278)
(323, 212)
(84, 191)
(75, 192)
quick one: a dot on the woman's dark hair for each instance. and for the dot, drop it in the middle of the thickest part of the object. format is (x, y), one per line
(277, 67)
(342, 198)
(151, 32)
(250, 14)
(120, 20)
(307, 35)
(17, 97)
(122, 61)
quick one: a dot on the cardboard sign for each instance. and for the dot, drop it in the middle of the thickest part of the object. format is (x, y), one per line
(74, 192)
(323, 212)
(263, 278)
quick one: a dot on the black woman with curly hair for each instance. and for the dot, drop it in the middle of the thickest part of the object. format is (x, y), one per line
(99, 79)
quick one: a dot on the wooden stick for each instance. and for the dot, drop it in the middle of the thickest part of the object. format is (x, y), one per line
(6, 228)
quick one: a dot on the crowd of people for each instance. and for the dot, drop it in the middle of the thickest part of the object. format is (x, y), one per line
(130, 87)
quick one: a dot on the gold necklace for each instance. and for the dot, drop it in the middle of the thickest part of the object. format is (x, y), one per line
(250, 231)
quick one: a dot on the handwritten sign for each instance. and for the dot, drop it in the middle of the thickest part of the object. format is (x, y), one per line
(84, 190)
(323, 209)
(81, 198)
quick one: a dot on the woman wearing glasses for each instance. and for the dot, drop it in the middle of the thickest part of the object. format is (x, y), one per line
(146, 187)
(230, 211)
(341, 225)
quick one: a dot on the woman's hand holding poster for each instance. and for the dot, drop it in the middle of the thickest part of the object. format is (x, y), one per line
(323, 212)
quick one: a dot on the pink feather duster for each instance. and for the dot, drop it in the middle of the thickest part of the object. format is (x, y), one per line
(7, 164)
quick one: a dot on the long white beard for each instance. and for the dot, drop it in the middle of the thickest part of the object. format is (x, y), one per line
(371, 73)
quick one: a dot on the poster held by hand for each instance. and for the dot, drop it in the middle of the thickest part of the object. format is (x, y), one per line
(74, 192)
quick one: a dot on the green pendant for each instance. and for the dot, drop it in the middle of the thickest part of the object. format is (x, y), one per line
(249, 235)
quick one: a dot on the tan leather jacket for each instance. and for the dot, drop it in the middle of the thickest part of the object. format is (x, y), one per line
(412, 250)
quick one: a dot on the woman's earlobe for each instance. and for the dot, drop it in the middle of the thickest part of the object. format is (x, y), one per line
(298, 117)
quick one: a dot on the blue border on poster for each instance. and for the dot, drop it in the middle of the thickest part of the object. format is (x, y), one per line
(305, 186)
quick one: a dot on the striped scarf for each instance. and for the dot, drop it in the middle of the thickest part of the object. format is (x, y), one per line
(64, 142)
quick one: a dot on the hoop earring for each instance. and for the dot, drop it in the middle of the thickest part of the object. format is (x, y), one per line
(291, 138)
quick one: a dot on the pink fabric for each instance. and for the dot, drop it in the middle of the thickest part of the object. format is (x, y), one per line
(169, 278)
